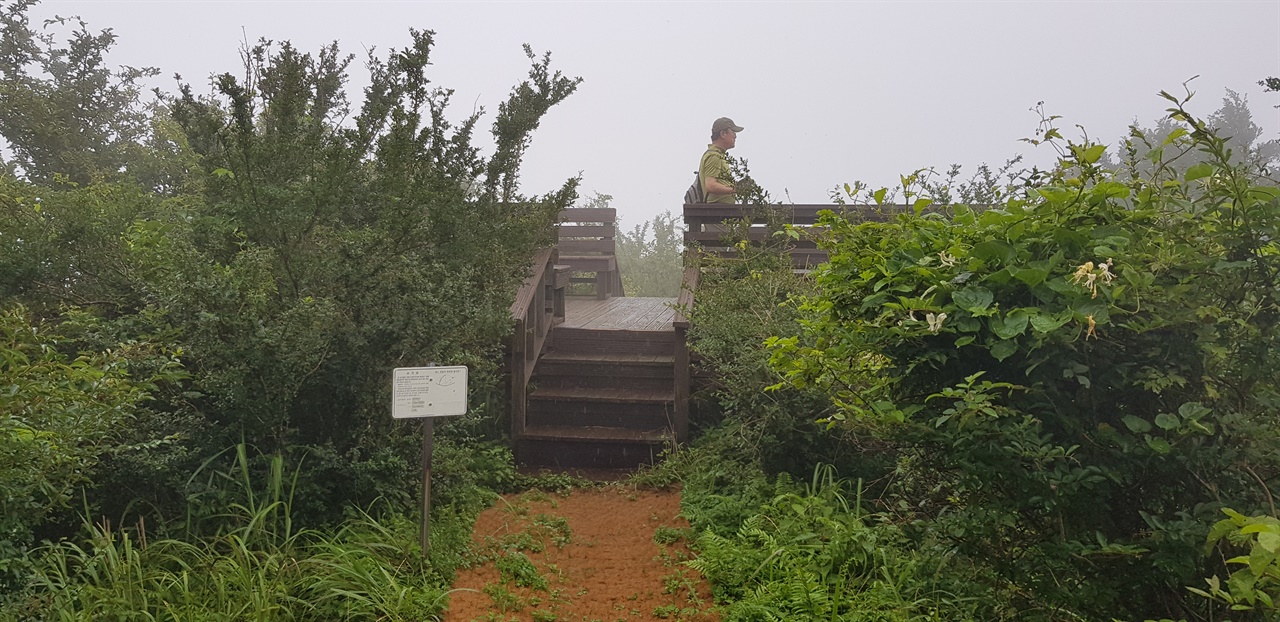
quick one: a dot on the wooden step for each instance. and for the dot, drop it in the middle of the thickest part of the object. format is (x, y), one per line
(615, 395)
(591, 447)
(635, 409)
(596, 434)
(595, 370)
(599, 341)
(608, 358)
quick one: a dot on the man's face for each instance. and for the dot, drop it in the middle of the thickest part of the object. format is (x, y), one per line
(730, 138)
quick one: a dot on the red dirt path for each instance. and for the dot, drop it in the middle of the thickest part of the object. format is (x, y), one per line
(605, 567)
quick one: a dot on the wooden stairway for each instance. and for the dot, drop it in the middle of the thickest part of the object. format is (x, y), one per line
(601, 398)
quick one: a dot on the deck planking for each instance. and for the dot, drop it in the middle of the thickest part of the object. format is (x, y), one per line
(621, 313)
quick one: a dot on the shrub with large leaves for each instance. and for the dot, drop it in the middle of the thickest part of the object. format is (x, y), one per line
(1082, 371)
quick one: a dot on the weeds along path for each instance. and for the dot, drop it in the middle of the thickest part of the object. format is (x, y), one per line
(602, 554)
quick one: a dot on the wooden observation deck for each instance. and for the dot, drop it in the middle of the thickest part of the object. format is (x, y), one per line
(601, 380)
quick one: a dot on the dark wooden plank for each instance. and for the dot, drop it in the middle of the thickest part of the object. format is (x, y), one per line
(681, 373)
(630, 395)
(716, 239)
(586, 231)
(580, 311)
(596, 433)
(589, 263)
(796, 214)
(584, 247)
(684, 303)
(606, 359)
(588, 453)
(594, 214)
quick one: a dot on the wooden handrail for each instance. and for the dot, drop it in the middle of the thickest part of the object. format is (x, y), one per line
(681, 361)
(684, 302)
(539, 305)
(538, 267)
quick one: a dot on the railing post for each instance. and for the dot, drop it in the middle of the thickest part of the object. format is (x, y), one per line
(517, 386)
(681, 363)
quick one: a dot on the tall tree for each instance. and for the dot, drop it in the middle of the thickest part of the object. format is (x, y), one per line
(66, 112)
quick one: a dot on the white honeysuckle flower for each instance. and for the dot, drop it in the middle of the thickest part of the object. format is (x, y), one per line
(1086, 276)
(935, 321)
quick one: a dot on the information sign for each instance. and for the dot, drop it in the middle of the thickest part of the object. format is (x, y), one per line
(429, 392)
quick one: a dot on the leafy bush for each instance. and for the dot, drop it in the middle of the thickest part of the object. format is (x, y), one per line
(1078, 374)
(59, 418)
(741, 302)
(294, 257)
(810, 553)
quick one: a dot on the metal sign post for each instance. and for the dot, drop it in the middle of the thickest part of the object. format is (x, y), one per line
(426, 393)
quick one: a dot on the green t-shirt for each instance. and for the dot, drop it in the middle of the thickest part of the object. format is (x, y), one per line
(715, 166)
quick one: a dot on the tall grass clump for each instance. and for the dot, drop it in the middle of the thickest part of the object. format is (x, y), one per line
(248, 562)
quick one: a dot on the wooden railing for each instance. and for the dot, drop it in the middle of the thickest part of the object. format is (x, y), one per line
(707, 224)
(682, 365)
(586, 242)
(539, 306)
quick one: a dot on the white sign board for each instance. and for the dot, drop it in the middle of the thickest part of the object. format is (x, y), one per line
(429, 392)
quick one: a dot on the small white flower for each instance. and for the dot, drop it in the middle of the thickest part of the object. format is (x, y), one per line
(948, 260)
(935, 321)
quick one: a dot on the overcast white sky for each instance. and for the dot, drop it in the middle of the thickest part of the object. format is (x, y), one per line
(829, 92)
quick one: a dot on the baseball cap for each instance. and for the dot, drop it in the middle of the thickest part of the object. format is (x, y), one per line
(724, 123)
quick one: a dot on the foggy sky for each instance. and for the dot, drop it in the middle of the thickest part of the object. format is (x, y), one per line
(828, 92)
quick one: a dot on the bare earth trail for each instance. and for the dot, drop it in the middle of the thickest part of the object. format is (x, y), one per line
(589, 556)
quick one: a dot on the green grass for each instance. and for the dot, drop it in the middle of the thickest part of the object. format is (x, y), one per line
(249, 563)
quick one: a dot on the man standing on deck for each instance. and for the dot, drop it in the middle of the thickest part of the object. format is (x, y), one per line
(717, 181)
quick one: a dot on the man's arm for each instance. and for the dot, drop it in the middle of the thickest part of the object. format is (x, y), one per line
(715, 186)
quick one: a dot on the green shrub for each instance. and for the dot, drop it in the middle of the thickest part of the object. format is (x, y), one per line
(59, 418)
(810, 553)
(1077, 375)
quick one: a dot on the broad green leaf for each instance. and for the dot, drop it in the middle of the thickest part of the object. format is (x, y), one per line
(1112, 190)
(1242, 583)
(964, 341)
(973, 298)
(1031, 276)
(1259, 559)
(993, 250)
(1193, 410)
(1056, 195)
(1270, 541)
(1011, 325)
(878, 195)
(1266, 193)
(1197, 171)
(1137, 425)
(1047, 323)
(999, 277)
(1004, 349)
(1167, 421)
(920, 205)
(1092, 154)
(1159, 445)
(1174, 135)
